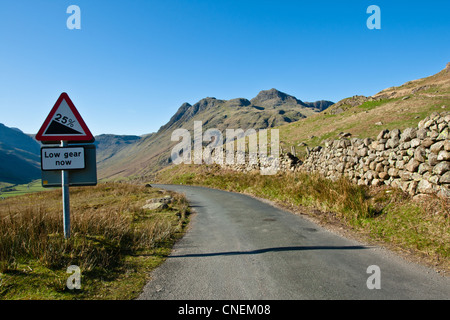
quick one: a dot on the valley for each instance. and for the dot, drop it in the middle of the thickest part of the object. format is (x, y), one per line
(415, 229)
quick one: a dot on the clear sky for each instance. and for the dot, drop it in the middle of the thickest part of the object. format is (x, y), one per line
(134, 62)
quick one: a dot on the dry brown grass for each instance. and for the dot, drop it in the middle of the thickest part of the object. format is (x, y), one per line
(106, 221)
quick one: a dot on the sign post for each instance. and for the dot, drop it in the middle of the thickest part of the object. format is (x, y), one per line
(65, 125)
(66, 197)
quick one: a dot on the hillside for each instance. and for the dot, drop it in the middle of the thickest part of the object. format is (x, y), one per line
(19, 156)
(364, 117)
(109, 144)
(268, 109)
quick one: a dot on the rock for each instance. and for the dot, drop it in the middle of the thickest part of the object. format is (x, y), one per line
(369, 176)
(432, 159)
(424, 167)
(395, 133)
(420, 154)
(447, 145)
(422, 134)
(441, 167)
(427, 142)
(376, 182)
(408, 134)
(393, 142)
(443, 155)
(383, 175)
(425, 186)
(445, 178)
(433, 134)
(363, 152)
(415, 142)
(393, 172)
(434, 179)
(444, 192)
(436, 147)
(340, 168)
(405, 175)
(367, 142)
(412, 187)
(400, 164)
(374, 144)
(428, 123)
(167, 199)
(379, 123)
(443, 135)
(155, 206)
(412, 165)
(345, 134)
(379, 167)
(405, 145)
(382, 134)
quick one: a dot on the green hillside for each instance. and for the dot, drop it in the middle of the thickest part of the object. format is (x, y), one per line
(361, 117)
(19, 156)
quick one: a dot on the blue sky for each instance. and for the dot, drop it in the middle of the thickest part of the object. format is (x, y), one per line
(133, 63)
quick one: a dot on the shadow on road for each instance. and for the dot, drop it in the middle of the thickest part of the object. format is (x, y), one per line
(259, 251)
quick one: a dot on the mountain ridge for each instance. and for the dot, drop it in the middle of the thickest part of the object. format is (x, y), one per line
(268, 109)
(265, 98)
(19, 156)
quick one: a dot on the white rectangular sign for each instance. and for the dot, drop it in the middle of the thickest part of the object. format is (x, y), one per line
(63, 158)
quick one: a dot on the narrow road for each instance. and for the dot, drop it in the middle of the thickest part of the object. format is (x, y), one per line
(240, 248)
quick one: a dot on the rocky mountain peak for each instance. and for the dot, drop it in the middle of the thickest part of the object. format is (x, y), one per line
(272, 94)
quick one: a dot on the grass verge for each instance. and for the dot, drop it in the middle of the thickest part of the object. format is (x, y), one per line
(384, 216)
(114, 242)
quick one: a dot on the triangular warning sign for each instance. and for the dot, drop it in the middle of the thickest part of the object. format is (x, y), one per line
(64, 123)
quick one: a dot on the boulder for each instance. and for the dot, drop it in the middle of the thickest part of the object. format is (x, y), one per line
(155, 206)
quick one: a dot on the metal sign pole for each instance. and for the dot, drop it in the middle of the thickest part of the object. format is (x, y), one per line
(65, 196)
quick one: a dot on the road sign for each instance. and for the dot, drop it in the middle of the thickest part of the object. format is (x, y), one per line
(64, 123)
(82, 177)
(70, 158)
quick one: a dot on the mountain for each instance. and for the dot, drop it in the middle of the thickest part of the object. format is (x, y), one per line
(268, 109)
(19, 156)
(273, 98)
(109, 144)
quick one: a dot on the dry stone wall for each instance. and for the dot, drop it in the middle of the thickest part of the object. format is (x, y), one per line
(416, 160)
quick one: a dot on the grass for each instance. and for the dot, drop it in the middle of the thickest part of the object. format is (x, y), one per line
(113, 240)
(380, 215)
(11, 190)
(369, 105)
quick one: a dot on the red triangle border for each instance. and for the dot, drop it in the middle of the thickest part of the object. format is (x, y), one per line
(88, 137)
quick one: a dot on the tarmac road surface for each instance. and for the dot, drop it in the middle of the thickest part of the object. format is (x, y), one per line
(240, 248)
